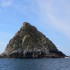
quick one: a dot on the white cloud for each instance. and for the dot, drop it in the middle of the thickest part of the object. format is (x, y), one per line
(6, 3)
(58, 13)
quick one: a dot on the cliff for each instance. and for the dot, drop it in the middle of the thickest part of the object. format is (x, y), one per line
(28, 42)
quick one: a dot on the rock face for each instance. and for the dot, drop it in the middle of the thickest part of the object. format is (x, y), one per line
(28, 42)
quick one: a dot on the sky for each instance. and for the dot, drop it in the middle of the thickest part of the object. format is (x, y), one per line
(51, 17)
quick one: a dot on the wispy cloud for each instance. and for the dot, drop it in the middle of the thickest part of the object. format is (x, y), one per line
(58, 13)
(6, 3)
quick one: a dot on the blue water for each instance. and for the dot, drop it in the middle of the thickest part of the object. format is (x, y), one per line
(35, 64)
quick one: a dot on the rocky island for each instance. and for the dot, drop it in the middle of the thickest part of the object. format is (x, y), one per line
(28, 42)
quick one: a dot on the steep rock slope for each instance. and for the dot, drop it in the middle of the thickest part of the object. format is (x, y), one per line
(28, 42)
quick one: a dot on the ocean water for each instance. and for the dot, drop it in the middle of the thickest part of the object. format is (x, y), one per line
(35, 64)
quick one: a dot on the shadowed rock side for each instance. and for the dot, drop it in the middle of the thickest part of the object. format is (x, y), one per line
(28, 42)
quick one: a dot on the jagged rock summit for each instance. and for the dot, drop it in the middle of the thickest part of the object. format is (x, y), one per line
(28, 42)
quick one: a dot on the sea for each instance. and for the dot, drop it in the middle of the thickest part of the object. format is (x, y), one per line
(35, 64)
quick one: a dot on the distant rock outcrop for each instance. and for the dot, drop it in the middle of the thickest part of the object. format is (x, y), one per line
(28, 42)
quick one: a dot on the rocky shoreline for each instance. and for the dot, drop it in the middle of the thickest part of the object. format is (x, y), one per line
(33, 54)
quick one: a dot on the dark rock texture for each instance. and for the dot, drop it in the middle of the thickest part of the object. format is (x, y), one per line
(28, 42)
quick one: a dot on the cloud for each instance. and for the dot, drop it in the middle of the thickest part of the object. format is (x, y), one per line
(6, 3)
(58, 13)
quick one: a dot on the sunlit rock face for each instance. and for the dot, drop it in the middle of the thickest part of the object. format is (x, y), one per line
(28, 42)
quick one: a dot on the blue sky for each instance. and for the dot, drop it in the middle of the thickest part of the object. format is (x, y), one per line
(51, 17)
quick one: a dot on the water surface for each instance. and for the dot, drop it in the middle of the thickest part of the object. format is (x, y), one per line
(35, 64)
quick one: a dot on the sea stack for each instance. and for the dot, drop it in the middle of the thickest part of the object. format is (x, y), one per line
(28, 42)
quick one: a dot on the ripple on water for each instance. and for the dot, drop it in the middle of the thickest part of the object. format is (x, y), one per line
(35, 64)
